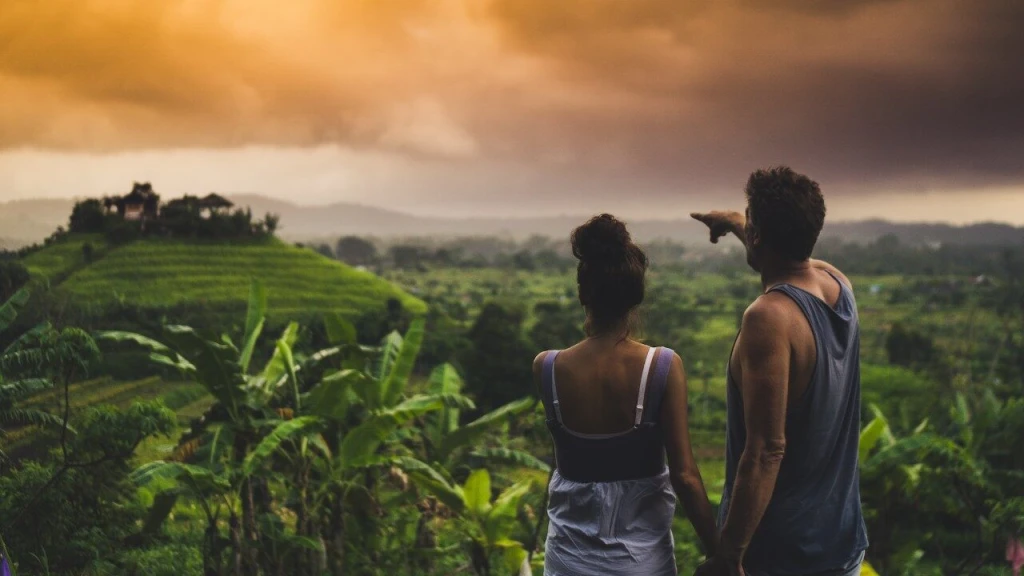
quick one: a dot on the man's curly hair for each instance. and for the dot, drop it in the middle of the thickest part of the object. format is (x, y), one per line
(787, 210)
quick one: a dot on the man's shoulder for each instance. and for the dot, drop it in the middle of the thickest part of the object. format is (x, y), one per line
(769, 307)
(771, 314)
(822, 265)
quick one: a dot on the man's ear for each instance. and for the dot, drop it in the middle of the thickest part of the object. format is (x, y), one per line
(753, 236)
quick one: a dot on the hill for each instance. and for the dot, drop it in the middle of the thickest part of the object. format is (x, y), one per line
(27, 221)
(160, 273)
(204, 284)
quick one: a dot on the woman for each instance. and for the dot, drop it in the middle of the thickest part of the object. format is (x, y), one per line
(615, 409)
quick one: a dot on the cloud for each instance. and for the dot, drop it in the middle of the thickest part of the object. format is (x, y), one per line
(119, 74)
(424, 126)
(877, 91)
(657, 94)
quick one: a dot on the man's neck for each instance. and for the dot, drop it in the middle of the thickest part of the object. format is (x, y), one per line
(778, 271)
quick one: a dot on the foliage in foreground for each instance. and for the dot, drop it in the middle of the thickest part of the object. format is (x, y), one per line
(295, 463)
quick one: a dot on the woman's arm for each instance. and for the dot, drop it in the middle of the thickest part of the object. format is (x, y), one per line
(685, 475)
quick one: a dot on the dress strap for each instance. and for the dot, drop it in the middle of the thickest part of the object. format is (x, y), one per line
(659, 381)
(550, 390)
(643, 387)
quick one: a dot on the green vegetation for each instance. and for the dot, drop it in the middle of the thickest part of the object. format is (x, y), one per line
(161, 274)
(54, 262)
(322, 420)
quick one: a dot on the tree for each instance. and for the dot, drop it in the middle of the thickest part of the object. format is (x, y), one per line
(446, 256)
(88, 217)
(181, 217)
(445, 339)
(557, 326)
(13, 275)
(523, 260)
(328, 417)
(23, 367)
(455, 445)
(71, 511)
(487, 526)
(271, 222)
(324, 250)
(356, 251)
(406, 256)
(64, 517)
(953, 495)
(908, 347)
(243, 411)
(498, 363)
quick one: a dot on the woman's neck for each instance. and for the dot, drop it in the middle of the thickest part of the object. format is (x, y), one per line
(611, 332)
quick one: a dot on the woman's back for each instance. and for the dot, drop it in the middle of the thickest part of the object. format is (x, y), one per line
(610, 500)
(617, 413)
(599, 385)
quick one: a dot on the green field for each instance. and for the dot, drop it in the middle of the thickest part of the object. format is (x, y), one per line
(161, 273)
(53, 262)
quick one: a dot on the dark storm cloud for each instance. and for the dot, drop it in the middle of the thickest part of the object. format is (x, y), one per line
(913, 92)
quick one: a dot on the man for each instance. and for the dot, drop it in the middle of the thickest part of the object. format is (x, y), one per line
(791, 504)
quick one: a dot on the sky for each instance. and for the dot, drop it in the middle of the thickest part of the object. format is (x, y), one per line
(902, 109)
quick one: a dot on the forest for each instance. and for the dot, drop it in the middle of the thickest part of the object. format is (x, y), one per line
(203, 407)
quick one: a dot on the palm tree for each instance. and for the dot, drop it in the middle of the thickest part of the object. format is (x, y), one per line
(331, 437)
(243, 411)
(18, 361)
(327, 427)
(488, 526)
(960, 487)
(453, 445)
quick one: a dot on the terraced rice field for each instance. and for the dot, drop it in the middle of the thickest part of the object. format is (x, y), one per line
(53, 261)
(160, 273)
(187, 399)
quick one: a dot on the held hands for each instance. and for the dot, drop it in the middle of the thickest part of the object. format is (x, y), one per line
(718, 566)
(721, 222)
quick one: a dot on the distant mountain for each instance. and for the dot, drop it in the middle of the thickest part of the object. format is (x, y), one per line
(983, 233)
(315, 222)
(26, 221)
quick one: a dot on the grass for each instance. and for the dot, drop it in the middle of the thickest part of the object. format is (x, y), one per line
(52, 262)
(157, 273)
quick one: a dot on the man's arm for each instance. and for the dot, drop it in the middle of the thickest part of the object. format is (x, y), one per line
(763, 353)
(723, 222)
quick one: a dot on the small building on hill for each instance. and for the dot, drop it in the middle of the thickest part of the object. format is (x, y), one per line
(142, 203)
(214, 203)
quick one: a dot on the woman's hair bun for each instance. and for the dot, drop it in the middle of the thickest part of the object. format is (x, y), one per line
(610, 274)
(602, 238)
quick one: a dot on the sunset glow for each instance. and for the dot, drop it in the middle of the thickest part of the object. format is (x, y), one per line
(486, 106)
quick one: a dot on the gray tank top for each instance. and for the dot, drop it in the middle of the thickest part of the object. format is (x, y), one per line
(814, 521)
